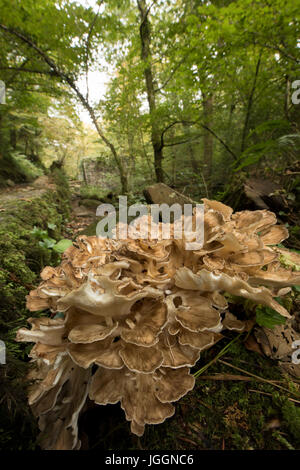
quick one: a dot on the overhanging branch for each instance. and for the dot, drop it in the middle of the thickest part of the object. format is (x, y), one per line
(204, 127)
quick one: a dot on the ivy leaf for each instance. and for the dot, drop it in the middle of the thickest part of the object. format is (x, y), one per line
(62, 245)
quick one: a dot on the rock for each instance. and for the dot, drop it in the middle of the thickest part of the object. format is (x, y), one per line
(10, 183)
(160, 193)
(43, 182)
(264, 194)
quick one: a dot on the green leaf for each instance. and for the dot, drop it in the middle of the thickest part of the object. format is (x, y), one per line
(47, 243)
(270, 126)
(51, 226)
(62, 245)
(39, 233)
(266, 316)
(253, 154)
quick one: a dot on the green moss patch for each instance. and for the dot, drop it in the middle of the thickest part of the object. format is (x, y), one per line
(21, 259)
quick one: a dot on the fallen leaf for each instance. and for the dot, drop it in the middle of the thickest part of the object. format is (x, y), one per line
(252, 345)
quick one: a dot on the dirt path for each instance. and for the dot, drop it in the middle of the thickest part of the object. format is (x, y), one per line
(26, 192)
(81, 217)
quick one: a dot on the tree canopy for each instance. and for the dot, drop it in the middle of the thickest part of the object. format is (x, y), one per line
(196, 90)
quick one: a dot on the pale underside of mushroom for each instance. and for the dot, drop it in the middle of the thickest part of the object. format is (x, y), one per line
(135, 314)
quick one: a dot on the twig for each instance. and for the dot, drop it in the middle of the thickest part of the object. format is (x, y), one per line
(259, 378)
(204, 404)
(205, 185)
(220, 354)
(185, 439)
(270, 394)
(225, 377)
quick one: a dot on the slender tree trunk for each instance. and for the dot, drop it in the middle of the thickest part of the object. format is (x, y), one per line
(145, 154)
(145, 36)
(250, 102)
(229, 129)
(207, 139)
(194, 162)
(131, 159)
(287, 98)
(13, 138)
(84, 172)
(122, 171)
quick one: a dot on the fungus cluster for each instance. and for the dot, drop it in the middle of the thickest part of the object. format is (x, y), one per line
(130, 317)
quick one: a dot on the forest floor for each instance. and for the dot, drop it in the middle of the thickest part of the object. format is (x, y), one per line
(81, 216)
(25, 192)
(242, 401)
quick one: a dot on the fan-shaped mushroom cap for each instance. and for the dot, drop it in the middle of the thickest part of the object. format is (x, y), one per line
(141, 359)
(226, 211)
(274, 235)
(197, 313)
(232, 323)
(103, 297)
(147, 317)
(175, 354)
(104, 353)
(200, 340)
(90, 333)
(207, 281)
(161, 388)
(44, 330)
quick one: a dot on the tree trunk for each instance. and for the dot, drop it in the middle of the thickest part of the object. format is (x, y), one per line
(207, 139)
(145, 37)
(249, 105)
(13, 138)
(194, 162)
(122, 171)
(131, 158)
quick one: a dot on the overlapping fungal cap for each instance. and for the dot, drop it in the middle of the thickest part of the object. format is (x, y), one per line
(130, 317)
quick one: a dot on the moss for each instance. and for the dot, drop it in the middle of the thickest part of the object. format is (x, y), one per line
(21, 260)
(92, 192)
(290, 417)
(90, 203)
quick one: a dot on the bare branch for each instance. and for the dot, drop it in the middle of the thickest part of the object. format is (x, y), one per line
(193, 139)
(204, 127)
(278, 49)
(177, 66)
(220, 140)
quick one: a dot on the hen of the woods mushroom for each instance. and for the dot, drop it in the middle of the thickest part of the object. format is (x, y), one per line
(130, 317)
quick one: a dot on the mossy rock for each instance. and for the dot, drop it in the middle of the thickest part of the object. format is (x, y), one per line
(90, 203)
